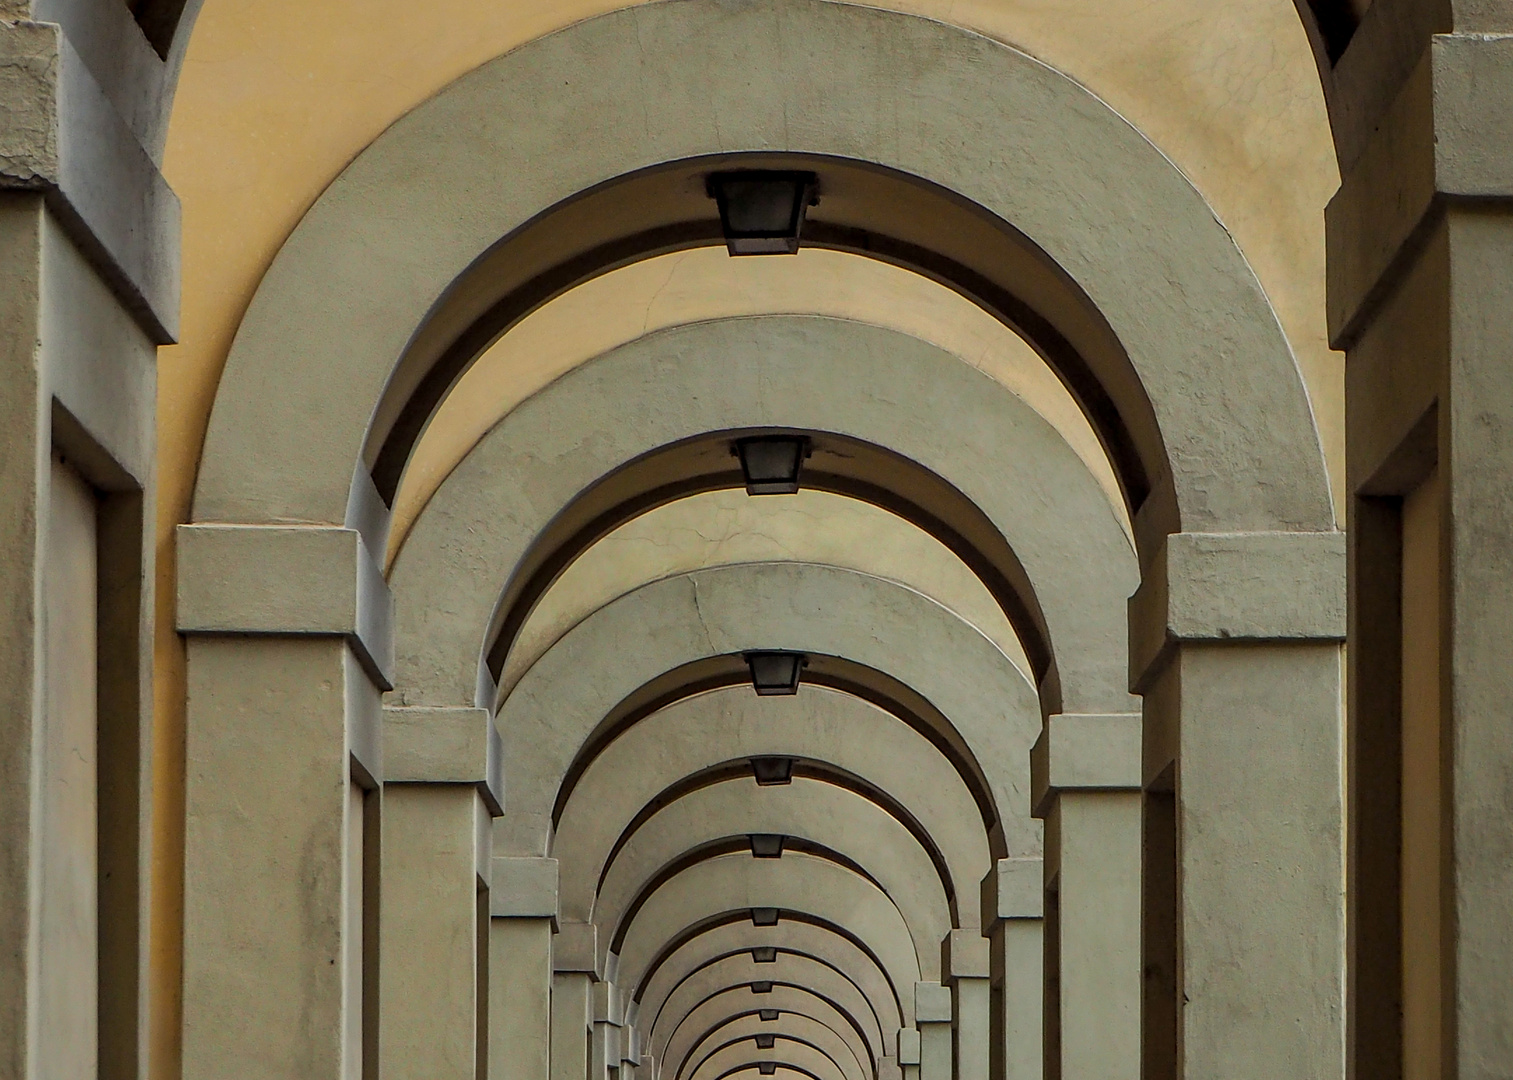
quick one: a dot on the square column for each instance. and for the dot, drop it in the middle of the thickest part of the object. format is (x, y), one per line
(435, 935)
(964, 960)
(288, 650)
(932, 1018)
(1085, 783)
(1013, 904)
(523, 903)
(1236, 647)
(1420, 242)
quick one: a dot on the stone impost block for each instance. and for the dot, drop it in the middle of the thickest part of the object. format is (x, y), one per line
(632, 1046)
(278, 580)
(932, 1003)
(1013, 889)
(60, 135)
(575, 948)
(1447, 135)
(889, 1068)
(608, 1004)
(908, 1046)
(523, 888)
(1085, 753)
(1271, 586)
(445, 746)
(964, 955)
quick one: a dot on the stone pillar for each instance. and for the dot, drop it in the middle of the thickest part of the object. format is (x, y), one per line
(437, 830)
(288, 649)
(932, 1017)
(609, 1016)
(1085, 783)
(523, 901)
(1420, 243)
(964, 963)
(1013, 902)
(575, 971)
(1236, 647)
(88, 290)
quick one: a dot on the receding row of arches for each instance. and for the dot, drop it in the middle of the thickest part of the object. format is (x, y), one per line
(574, 842)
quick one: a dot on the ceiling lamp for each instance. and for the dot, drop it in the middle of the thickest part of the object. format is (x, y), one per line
(776, 674)
(771, 464)
(761, 986)
(772, 771)
(766, 1042)
(764, 954)
(767, 1015)
(767, 845)
(764, 916)
(761, 212)
(767, 1068)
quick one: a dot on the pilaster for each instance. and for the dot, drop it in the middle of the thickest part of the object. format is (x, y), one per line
(1013, 906)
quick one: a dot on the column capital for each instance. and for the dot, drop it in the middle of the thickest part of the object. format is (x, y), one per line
(1084, 752)
(1217, 587)
(445, 746)
(964, 955)
(276, 580)
(1013, 889)
(908, 1046)
(575, 949)
(932, 1003)
(523, 888)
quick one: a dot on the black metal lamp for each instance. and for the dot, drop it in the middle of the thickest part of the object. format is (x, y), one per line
(776, 674)
(772, 771)
(764, 954)
(762, 212)
(767, 845)
(767, 1015)
(761, 986)
(767, 1068)
(771, 464)
(766, 1042)
(764, 916)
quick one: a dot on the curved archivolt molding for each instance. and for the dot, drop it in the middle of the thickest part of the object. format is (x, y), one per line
(748, 1025)
(807, 814)
(855, 738)
(996, 483)
(557, 706)
(671, 1036)
(794, 1053)
(786, 998)
(1123, 276)
(825, 943)
(824, 891)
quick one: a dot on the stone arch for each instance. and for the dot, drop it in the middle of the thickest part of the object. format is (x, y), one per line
(999, 485)
(810, 937)
(793, 1026)
(788, 1051)
(889, 755)
(1125, 279)
(785, 998)
(723, 611)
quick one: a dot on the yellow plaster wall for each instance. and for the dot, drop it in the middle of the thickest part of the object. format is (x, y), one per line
(278, 95)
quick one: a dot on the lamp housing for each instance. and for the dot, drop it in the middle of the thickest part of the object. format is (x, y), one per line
(772, 464)
(776, 674)
(767, 1068)
(761, 986)
(767, 845)
(772, 771)
(764, 954)
(762, 211)
(766, 1042)
(764, 916)
(767, 1016)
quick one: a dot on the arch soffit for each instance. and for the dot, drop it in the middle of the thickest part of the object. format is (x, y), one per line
(827, 893)
(811, 938)
(790, 969)
(789, 1051)
(558, 705)
(792, 1026)
(392, 238)
(853, 735)
(1041, 520)
(737, 1003)
(787, 998)
(805, 813)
